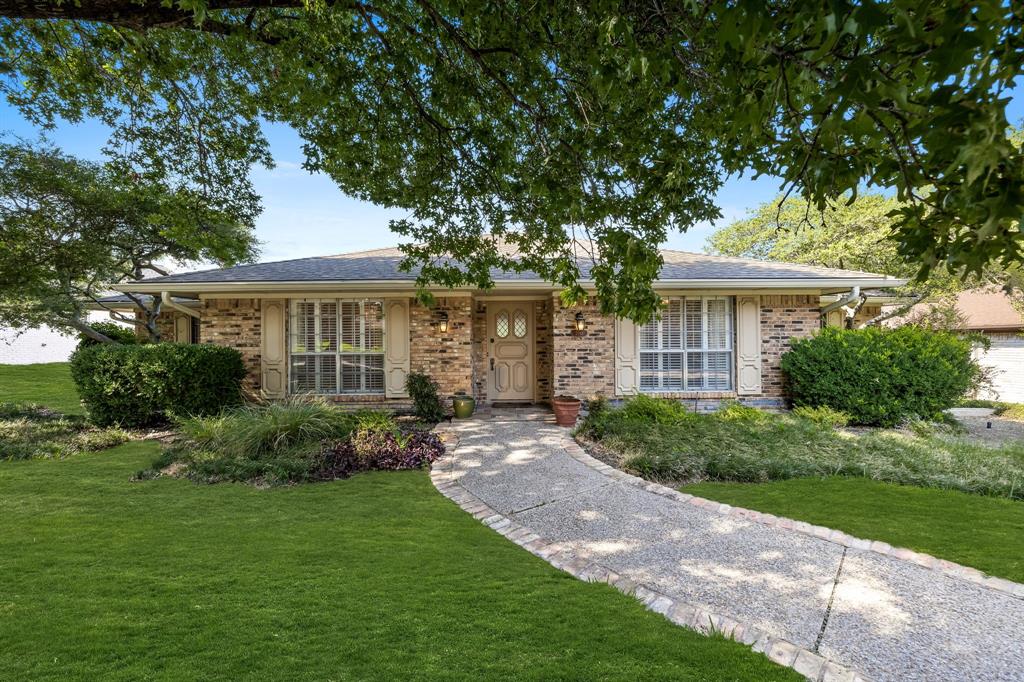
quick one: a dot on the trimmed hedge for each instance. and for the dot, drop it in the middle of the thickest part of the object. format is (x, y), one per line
(880, 377)
(140, 385)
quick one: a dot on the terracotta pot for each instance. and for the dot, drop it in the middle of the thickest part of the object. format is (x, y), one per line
(567, 409)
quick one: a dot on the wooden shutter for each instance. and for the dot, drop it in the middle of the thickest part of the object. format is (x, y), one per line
(273, 348)
(396, 346)
(182, 328)
(748, 345)
(627, 357)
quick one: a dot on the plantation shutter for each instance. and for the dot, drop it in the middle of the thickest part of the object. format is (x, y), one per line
(748, 345)
(273, 355)
(627, 357)
(182, 328)
(396, 346)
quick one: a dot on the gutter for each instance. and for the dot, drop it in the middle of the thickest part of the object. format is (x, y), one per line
(165, 299)
(852, 297)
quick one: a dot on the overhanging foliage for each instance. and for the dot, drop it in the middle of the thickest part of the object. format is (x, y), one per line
(544, 122)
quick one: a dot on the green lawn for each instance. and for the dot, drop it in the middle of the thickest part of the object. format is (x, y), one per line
(984, 532)
(374, 577)
(47, 384)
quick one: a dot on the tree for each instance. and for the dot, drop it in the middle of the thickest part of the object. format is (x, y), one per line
(855, 235)
(540, 123)
(70, 228)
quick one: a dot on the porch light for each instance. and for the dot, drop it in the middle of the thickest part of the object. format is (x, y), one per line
(581, 322)
(442, 322)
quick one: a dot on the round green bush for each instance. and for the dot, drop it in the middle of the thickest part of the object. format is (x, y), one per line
(141, 385)
(880, 377)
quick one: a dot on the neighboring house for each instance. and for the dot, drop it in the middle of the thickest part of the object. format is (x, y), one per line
(990, 312)
(349, 327)
(45, 344)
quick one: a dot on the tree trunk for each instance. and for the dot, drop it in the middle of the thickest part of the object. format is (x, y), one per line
(92, 333)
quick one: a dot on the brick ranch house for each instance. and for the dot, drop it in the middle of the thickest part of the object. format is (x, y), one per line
(349, 327)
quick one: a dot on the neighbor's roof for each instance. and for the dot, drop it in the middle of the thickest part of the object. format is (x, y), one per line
(382, 266)
(988, 309)
(122, 302)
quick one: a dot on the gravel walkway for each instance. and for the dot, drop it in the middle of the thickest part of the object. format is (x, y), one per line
(828, 609)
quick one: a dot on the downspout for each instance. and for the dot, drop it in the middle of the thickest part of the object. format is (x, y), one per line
(165, 298)
(853, 296)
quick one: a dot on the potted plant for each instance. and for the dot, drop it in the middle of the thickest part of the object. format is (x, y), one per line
(567, 409)
(463, 406)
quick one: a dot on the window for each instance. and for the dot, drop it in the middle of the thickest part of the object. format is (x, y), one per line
(337, 346)
(690, 347)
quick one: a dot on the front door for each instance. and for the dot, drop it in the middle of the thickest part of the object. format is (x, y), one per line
(510, 336)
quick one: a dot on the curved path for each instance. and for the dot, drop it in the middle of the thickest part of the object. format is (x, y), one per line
(831, 606)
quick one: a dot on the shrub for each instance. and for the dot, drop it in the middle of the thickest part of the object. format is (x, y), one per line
(390, 452)
(29, 431)
(294, 441)
(734, 411)
(655, 410)
(423, 391)
(141, 385)
(1013, 412)
(823, 415)
(257, 431)
(112, 330)
(737, 445)
(880, 376)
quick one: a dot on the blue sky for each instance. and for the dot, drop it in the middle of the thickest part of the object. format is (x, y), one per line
(307, 215)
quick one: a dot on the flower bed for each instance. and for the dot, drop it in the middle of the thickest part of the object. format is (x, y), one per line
(297, 441)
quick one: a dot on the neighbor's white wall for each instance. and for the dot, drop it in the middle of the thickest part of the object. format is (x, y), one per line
(1006, 359)
(38, 345)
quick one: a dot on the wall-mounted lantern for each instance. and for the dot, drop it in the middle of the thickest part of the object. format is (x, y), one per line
(581, 323)
(441, 323)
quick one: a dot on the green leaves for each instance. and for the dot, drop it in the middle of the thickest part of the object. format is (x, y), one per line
(536, 125)
(70, 228)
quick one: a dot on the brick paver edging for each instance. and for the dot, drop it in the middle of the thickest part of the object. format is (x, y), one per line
(808, 663)
(949, 568)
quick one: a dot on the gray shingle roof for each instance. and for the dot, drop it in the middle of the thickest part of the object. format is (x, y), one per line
(383, 265)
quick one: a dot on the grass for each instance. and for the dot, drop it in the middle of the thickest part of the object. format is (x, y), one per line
(660, 440)
(375, 577)
(984, 532)
(47, 384)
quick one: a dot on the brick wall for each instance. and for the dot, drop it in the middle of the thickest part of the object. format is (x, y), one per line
(164, 325)
(544, 346)
(235, 323)
(783, 318)
(866, 312)
(479, 353)
(446, 357)
(583, 362)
